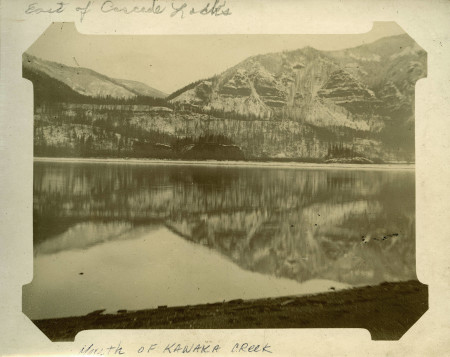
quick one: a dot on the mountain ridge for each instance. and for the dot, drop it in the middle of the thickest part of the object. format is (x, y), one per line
(367, 88)
(304, 104)
(349, 62)
(86, 81)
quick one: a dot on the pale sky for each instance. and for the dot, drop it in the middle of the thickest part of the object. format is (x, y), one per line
(169, 62)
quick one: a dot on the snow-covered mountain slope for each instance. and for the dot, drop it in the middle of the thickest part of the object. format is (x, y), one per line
(140, 88)
(361, 88)
(88, 82)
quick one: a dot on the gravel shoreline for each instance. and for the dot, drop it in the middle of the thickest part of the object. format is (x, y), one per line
(387, 310)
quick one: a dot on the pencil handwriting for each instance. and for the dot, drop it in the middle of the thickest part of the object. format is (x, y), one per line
(172, 8)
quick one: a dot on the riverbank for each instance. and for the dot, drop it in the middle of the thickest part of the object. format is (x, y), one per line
(387, 311)
(269, 164)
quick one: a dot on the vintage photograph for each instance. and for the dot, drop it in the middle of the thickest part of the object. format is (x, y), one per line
(224, 181)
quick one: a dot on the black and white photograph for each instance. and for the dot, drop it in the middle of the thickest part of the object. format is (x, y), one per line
(259, 181)
(176, 180)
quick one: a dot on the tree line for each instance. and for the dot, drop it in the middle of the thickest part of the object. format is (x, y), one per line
(341, 151)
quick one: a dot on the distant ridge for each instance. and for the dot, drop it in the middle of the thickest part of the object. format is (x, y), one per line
(88, 82)
(140, 88)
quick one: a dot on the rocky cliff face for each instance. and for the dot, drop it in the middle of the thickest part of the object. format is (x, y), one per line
(367, 89)
(362, 80)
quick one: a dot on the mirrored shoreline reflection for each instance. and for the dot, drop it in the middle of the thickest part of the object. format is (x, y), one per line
(123, 236)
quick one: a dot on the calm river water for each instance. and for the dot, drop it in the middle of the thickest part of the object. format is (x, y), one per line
(131, 236)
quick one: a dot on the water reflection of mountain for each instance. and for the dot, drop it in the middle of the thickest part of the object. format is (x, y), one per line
(300, 224)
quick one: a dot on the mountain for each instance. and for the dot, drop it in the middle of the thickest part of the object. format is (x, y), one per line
(140, 88)
(354, 105)
(307, 84)
(367, 89)
(87, 82)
